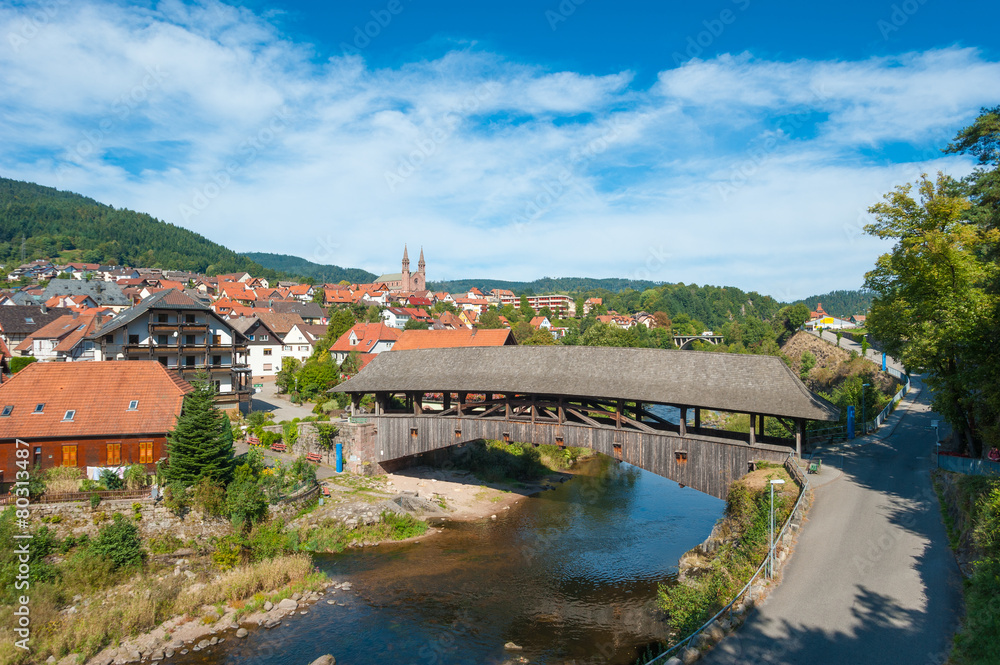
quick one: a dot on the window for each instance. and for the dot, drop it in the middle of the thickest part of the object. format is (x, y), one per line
(217, 340)
(189, 361)
(7, 410)
(267, 367)
(162, 318)
(267, 352)
(133, 339)
(114, 454)
(69, 455)
(189, 318)
(251, 338)
(133, 405)
(145, 452)
(28, 319)
(68, 416)
(264, 338)
(39, 408)
(216, 360)
(38, 454)
(162, 339)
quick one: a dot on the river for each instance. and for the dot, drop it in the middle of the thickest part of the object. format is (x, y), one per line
(569, 574)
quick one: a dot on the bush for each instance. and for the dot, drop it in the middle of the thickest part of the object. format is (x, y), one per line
(290, 434)
(18, 363)
(494, 461)
(119, 542)
(209, 497)
(135, 477)
(268, 540)
(164, 544)
(228, 553)
(267, 438)
(175, 498)
(245, 501)
(303, 470)
(95, 501)
(111, 480)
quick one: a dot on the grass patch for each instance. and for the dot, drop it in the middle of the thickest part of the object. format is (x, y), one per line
(744, 530)
(495, 461)
(333, 536)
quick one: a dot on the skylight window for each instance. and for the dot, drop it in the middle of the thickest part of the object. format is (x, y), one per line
(28, 319)
(133, 405)
(69, 415)
(39, 408)
(7, 410)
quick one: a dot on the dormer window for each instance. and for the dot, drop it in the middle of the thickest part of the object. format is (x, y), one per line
(133, 405)
(68, 417)
(39, 408)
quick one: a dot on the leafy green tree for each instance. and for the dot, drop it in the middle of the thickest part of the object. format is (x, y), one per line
(526, 310)
(317, 376)
(285, 378)
(602, 334)
(201, 444)
(539, 337)
(245, 500)
(351, 364)
(929, 300)
(325, 435)
(319, 296)
(522, 331)
(413, 324)
(490, 320)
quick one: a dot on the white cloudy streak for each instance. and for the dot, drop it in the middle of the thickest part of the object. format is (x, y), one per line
(734, 170)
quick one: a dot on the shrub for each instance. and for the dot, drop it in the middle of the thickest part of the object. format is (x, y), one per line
(290, 433)
(135, 477)
(303, 470)
(119, 542)
(62, 479)
(111, 480)
(209, 497)
(267, 438)
(228, 553)
(164, 544)
(268, 540)
(20, 362)
(175, 498)
(245, 501)
(95, 501)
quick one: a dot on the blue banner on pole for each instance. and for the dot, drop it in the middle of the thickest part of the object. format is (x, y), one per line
(850, 421)
(883, 362)
(340, 458)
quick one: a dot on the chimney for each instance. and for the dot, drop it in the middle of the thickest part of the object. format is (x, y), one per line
(44, 308)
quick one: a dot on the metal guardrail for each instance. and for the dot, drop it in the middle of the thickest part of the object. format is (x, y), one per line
(777, 539)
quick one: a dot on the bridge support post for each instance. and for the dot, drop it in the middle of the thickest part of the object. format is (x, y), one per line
(697, 418)
(461, 403)
(418, 404)
(753, 429)
(800, 426)
(684, 421)
(507, 412)
(619, 407)
(760, 426)
(446, 400)
(355, 403)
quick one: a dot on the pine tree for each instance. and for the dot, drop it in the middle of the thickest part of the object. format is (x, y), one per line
(201, 444)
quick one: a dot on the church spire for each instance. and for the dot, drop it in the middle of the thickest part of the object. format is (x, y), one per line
(420, 263)
(406, 260)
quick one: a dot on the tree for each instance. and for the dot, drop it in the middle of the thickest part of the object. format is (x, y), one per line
(490, 320)
(201, 445)
(325, 434)
(319, 296)
(539, 337)
(929, 299)
(602, 334)
(245, 499)
(522, 330)
(351, 364)
(285, 378)
(119, 543)
(526, 309)
(413, 324)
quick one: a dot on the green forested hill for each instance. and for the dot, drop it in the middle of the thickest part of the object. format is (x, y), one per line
(842, 303)
(323, 274)
(544, 285)
(76, 228)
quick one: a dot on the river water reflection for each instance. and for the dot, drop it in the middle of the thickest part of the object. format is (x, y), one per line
(569, 574)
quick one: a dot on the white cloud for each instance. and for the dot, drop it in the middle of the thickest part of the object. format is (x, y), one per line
(729, 171)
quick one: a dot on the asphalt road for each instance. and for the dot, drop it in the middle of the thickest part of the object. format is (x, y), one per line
(872, 579)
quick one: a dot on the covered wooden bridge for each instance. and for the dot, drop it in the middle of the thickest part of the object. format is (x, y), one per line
(595, 397)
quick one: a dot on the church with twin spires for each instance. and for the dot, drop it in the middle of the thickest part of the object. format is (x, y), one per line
(406, 281)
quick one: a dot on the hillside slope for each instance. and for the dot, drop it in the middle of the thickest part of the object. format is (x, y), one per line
(322, 273)
(71, 227)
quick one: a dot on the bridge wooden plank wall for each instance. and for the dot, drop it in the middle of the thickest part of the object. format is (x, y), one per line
(705, 463)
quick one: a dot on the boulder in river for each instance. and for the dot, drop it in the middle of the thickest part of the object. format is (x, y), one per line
(325, 660)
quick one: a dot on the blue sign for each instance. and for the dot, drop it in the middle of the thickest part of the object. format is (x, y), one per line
(340, 458)
(883, 362)
(850, 421)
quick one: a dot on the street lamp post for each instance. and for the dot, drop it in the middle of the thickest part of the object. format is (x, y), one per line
(864, 422)
(770, 552)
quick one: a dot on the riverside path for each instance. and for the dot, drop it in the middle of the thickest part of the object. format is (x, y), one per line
(872, 579)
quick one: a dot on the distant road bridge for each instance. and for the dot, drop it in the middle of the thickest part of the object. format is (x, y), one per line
(685, 340)
(593, 397)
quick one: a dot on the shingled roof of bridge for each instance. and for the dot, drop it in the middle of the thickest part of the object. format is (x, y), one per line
(725, 381)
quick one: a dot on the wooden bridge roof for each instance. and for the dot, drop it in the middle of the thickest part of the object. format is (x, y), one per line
(724, 381)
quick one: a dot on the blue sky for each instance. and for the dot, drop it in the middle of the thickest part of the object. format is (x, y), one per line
(732, 142)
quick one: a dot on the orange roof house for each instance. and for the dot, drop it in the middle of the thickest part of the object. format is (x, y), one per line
(439, 339)
(89, 413)
(64, 338)
(365, 338)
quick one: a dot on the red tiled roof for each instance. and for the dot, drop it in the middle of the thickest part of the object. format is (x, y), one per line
(440, 339)
(99, 393)
(368, 335)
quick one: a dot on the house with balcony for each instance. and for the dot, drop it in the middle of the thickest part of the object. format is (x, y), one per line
(65, 339)
(183, 335)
